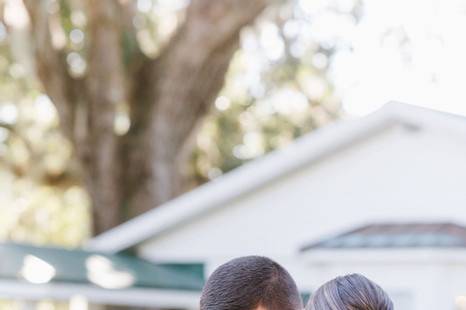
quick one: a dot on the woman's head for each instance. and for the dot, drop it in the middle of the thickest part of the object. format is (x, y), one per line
(351, 292)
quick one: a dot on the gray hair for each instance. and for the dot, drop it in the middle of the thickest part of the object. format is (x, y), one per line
(351, 292)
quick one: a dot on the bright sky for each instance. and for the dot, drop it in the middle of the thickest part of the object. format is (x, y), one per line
(412, 51)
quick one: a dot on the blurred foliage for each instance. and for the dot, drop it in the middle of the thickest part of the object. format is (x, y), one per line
(277, 89)
(42, 201)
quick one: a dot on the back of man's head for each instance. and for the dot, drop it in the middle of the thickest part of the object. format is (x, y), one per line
(249, 283)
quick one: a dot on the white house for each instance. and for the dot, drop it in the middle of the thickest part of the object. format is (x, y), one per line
(421, 265)
(401, 164)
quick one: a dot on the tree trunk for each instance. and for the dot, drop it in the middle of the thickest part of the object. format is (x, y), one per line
(167, 98)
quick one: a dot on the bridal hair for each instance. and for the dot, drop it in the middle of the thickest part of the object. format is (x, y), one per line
(353, 291)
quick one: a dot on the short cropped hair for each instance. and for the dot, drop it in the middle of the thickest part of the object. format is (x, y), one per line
(246, 283)
(353, 291)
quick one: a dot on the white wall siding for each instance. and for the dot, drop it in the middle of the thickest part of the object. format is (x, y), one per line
(416, 279)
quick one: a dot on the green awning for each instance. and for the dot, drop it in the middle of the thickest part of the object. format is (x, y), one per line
(34, 264)
(305, 297)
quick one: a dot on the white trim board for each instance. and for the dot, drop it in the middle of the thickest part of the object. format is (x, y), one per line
(369, 256)
(255, 174)
(138, 297)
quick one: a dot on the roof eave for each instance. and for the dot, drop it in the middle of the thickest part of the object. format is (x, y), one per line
(14, 289)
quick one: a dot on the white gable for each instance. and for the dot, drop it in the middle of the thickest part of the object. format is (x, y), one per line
(400, 163)
(396, 174)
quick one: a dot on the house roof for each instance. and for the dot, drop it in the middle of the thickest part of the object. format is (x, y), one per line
(396, 235)
(40, 265)
(258, 173)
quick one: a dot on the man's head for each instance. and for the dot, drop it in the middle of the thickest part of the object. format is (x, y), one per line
(250, 283)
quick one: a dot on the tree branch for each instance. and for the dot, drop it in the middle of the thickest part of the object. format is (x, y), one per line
(106, 88)
(187, 77)
(51, 65)
(213, 27)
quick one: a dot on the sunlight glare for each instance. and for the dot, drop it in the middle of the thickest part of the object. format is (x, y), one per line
(100, 271)
(36, 270)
